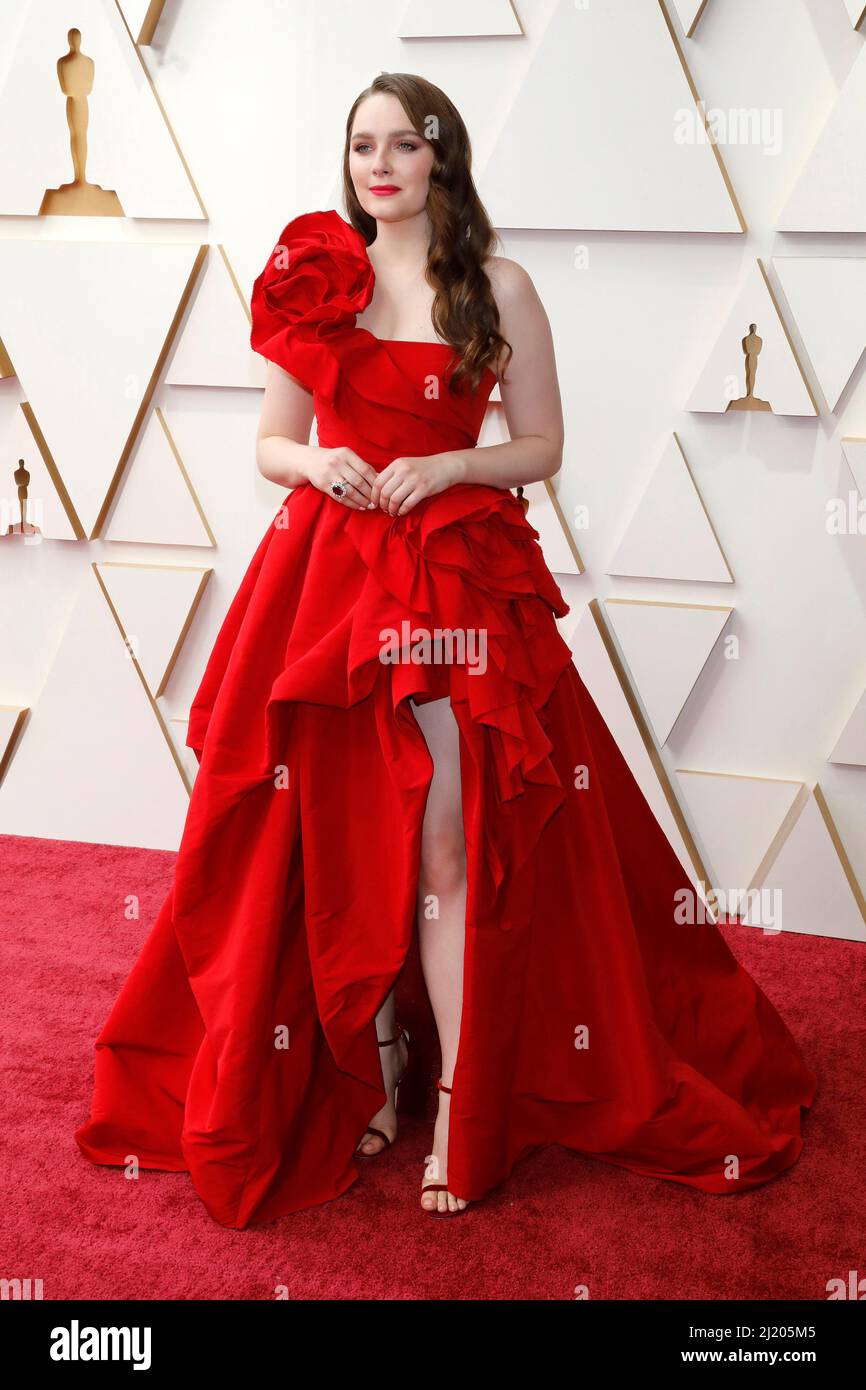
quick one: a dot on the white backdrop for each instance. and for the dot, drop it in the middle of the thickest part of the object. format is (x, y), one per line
(634, 243)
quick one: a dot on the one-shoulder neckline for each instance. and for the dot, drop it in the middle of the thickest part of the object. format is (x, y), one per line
(416, 342)
(406, 342)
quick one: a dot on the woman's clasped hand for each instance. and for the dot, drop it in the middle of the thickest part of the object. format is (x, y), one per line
(399, 486)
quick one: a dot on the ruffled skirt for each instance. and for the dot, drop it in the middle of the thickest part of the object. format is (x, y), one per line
(242, 1047)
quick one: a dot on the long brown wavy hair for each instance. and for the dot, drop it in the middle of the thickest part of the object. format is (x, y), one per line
(462, 236)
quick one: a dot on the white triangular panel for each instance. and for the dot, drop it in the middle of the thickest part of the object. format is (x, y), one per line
(86, 323)
(45, 509)
(103, 692)
(669, 535)
(689, 12)
(827, 296)
(830, 194)
(154, 605)
(666, 646)
(214, 347)
(155, 504)
(854, 452)
(857, 11)
(647, 166)
(779, 379)
(603, 685)
(451, 19)
(736, 818)
(542, 513)
(808, 876)
(130, 149)
(850, 747)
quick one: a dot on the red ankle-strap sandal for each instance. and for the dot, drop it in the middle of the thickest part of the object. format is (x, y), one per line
(441, 1186)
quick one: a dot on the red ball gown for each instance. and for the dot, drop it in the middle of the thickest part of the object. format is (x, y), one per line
(242, 1046)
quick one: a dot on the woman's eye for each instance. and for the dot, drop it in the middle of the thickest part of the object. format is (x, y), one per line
(402, 144)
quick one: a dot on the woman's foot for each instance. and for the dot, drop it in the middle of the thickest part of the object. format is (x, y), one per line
(437, 1162)
(394, 1058)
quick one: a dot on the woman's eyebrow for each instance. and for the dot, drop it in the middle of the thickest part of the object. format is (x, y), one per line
(356, 135)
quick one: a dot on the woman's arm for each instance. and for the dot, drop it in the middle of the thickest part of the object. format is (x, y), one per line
(284, 456)
(282, 451)
(529, 391)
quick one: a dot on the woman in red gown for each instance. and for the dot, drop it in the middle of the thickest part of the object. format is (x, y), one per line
(390, 730)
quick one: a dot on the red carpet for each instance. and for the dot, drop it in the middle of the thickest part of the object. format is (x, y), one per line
(561, 1222)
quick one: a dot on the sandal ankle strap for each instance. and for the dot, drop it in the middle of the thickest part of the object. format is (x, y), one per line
(386, 1042)
(446, 1089)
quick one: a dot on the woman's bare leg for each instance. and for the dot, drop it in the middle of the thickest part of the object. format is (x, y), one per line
(442, 915)
(393, 1061)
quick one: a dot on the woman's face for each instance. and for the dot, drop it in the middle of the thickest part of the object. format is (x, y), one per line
(387, 154)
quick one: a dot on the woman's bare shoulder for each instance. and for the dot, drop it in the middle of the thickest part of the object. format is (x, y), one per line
(509, 280)
(522, 316)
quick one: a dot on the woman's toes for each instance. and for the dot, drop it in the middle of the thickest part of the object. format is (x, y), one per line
(372, 1145)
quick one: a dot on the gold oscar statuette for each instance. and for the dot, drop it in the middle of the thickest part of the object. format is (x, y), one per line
(78, 198)
(751, 345)
(22, 527)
